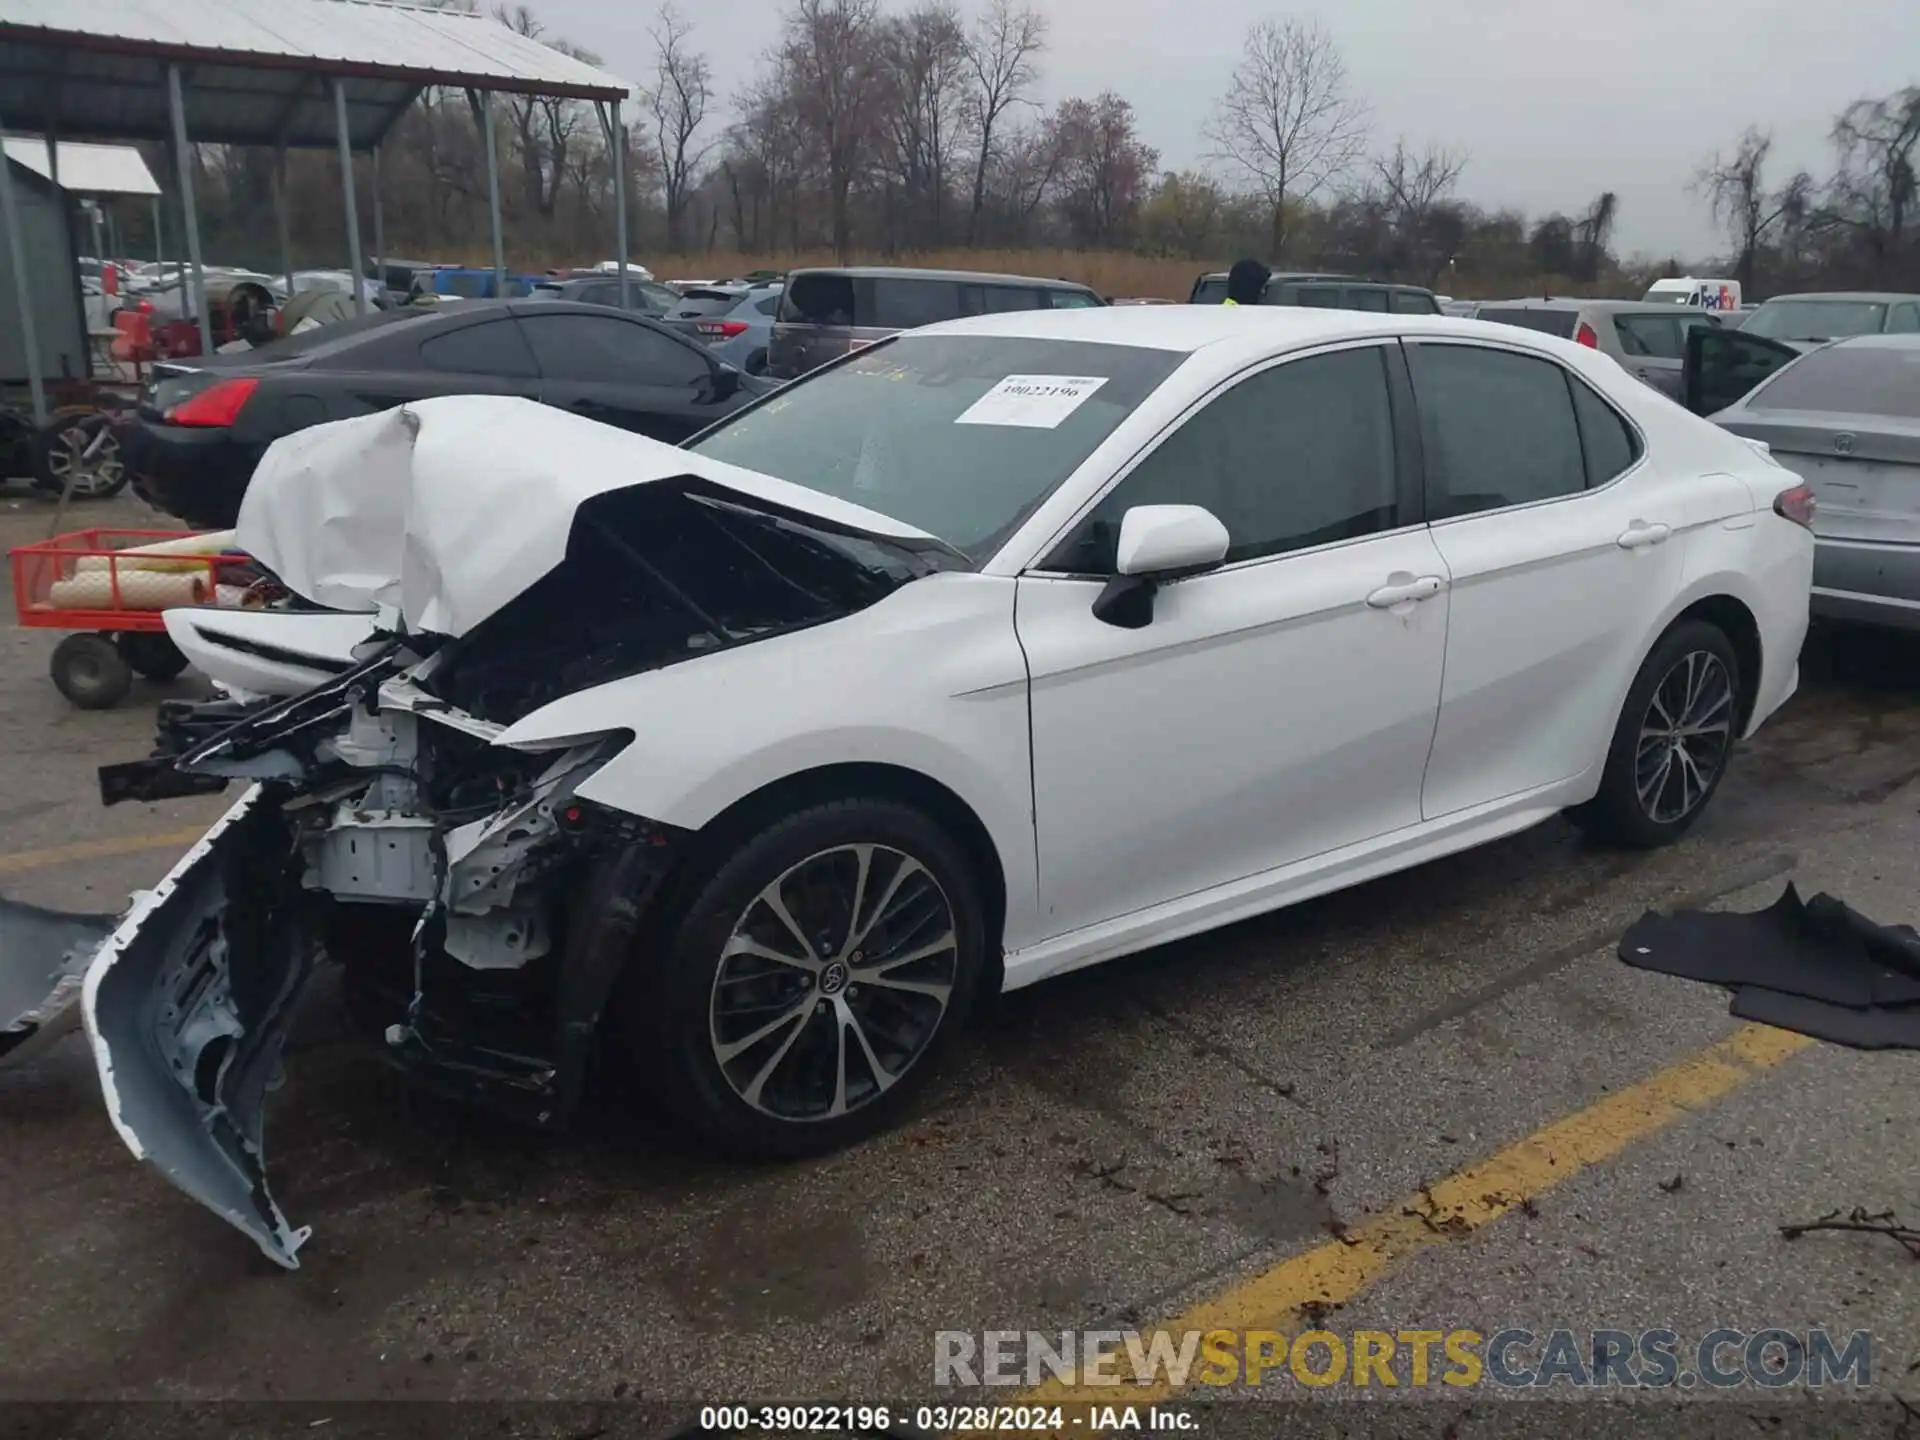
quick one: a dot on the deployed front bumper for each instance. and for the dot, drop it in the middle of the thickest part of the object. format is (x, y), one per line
(187, 1005)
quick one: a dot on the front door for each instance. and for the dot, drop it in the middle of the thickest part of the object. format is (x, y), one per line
(1563, 545)
(1272, 710)
(621, 371)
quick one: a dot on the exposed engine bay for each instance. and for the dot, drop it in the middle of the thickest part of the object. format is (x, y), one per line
(481, 912)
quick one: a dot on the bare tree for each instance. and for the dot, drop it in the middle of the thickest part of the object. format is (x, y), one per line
(678, 101)
(925, 52)
(1002, 59)
(1413, 189)
(1735, 189)
(1288, 121)
(831, 57)
(1104, 168)
(1877, 188)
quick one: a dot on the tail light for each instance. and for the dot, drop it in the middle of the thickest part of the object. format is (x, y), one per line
(1796, 505)
(1585, 336)
(721, 329)
(215, 407)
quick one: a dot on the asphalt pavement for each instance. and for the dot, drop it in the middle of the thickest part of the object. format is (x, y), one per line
(1434, 1103)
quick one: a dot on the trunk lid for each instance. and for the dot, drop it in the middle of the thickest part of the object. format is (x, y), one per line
(1866, 480)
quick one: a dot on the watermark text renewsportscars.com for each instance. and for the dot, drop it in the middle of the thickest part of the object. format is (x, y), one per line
(1719, 1359)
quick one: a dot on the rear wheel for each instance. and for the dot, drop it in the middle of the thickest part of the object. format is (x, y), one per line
(66, 450)
(812, 980)
(757, 363)
(90, 671)
(1674, 738)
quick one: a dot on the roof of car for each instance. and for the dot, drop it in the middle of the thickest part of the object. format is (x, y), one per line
(1604, 307)
(1877, 296)
(1188, 328)
(900, 272)
(1908, 341)
(1291, 275)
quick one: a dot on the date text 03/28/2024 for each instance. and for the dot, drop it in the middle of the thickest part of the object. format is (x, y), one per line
(942, 1419)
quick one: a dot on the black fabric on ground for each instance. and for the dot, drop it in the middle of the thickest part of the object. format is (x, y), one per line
(1880, 1027)
(1820, 949)
(1817, 967)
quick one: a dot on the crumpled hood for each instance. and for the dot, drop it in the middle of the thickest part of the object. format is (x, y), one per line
(448, 509)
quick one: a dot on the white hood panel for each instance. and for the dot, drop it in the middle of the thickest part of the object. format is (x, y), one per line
(450, 508)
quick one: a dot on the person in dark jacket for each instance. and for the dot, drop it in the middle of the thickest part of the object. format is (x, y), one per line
(1247, 282)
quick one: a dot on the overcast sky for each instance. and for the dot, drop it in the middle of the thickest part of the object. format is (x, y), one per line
(1554, 100)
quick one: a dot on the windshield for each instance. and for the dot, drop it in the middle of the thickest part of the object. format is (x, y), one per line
(959, 435)
(1816, 319)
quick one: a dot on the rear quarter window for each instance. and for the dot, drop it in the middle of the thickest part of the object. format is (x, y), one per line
(1412, 302)
(818, 300)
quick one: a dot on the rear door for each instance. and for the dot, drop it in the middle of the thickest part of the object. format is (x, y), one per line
(1564, 546)
(1722, 365)
(623, 372)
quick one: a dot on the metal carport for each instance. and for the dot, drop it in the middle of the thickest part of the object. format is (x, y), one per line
(277, 73)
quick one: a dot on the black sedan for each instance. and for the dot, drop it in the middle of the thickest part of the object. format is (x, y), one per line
(204, 424)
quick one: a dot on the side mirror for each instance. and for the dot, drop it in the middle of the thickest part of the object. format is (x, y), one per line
(726, 382)
(1157, 543)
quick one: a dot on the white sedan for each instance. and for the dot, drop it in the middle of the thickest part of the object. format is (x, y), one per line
(1000, 648)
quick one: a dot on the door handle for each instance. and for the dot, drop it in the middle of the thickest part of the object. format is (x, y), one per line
(1639, 535)
(1399, 592)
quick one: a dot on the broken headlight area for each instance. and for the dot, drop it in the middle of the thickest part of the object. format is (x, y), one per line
(480, 911)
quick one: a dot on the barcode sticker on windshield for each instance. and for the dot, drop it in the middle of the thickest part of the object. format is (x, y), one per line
(1032, 402)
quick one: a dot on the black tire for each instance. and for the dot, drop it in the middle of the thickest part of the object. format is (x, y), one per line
(673, 1004)
(151, 653)
(64, 440)
(1620, 814)
(91, 672)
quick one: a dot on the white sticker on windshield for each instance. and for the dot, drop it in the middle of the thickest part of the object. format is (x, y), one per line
(1033, 402)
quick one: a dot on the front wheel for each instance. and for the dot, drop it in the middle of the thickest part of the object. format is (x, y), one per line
(1674, 738)
(812, 980)
(80, 446)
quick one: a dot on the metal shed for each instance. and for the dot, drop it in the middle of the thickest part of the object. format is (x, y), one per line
(278, 73)
(52, 337)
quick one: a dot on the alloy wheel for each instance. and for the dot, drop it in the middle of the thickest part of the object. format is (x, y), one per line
(1684, 737)
(833, 982)
(99, 475)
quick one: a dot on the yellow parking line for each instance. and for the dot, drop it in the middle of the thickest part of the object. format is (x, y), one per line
(1451, 1209)
(21, 860)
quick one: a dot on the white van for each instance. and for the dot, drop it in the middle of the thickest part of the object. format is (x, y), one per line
(1701, 294)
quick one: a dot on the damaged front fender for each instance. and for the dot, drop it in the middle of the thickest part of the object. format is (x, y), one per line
(187, 1005)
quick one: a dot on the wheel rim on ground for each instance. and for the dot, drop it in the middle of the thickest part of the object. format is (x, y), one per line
(833, 982)
(68, 451)
(1684, 737)
(86, 671)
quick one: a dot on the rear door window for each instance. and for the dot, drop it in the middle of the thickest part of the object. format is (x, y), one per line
(997, 299)
(892, 304)
(1412, 302)
(1498, 428)
(1317, 297)
(1366, 297)
(1072, 300)
(494, 347)
(1904, 319)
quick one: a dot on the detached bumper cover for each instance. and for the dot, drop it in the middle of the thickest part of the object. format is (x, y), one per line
(43, 963)
(187, 1005)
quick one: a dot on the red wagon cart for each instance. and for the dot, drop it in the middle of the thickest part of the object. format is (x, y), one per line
(111, 587)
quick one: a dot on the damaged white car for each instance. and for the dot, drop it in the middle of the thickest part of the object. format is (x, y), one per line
(998, 649)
